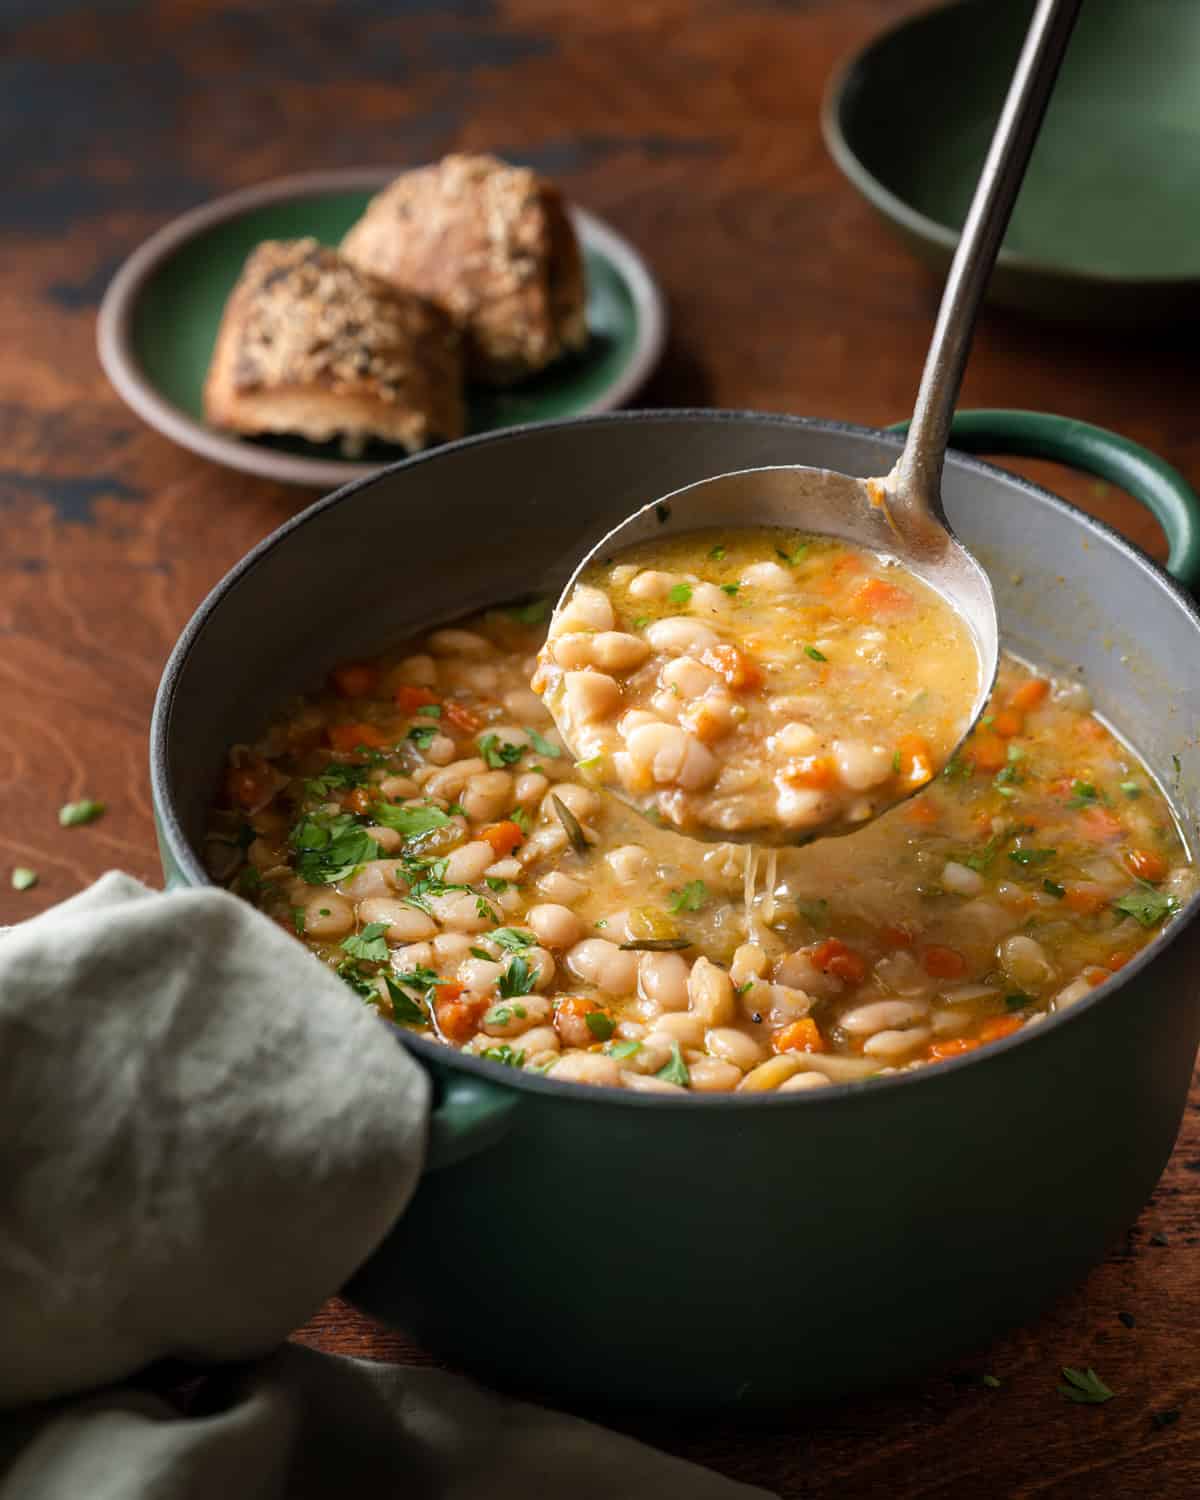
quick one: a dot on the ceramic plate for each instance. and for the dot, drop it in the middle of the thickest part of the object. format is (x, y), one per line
(1107, 225)
(159, 320)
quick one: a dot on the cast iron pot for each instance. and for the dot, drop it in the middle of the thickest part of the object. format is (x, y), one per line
(713, 1251)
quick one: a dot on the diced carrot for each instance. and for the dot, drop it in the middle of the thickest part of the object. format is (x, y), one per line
(245, 787)
(989, 752)
(462, 718)
(877, 599)
(503, 837)
(1118, 960)
(944, 963)
(355, 679)
(358, 801)
(1085, 899)
(834, 957)
(458, 1020)
(955, 1048)
(922, 812)
(1007, 723)
(1028, 694)
(809, 770)
(896, 936)
(916, 763)
(1095, 975)
(1099, 825)
(350, 736)
(800, 1036)
(1091, 729)
(999, 1027)
(740, 671)
(410, 698)
(1146, 864)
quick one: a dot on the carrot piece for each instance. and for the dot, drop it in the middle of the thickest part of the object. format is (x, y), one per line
(999, 1027)
(834, 957)
(944, 963)
(740, 671)
(355, 679)
(800, 1036)
(244, 787)
(503, 837)
(410, 698)
(809, 770)
(989, 752)
(1146, 865)
(350, 736)
(1028, 694)
(877, 599)
(896, 936)
(956, 1048)
(1085, 899)
(1007, 723)
(1099, 825)
(922, 812)
(458, 1020)
(1118, 960)
(462, 718)
(916, 762)
(358, 801)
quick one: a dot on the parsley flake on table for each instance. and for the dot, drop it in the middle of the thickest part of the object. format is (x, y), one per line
(498, 753)
(330, 847)
(1084, 1387)
(369, 944)
(409, 822)
(676, 1071)
(1145, 904)
(680, 593)
(689, 897)
(73, 814)
(23, 878)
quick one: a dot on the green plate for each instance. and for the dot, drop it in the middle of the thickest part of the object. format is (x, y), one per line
(159, 321)
(1107, 225)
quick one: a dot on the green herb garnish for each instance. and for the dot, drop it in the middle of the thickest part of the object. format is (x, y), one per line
(542, 745)
(1084, 1387)
(515, 939)
(501, 1015)
(23, 878)
(496, 883)
(1017, 1001)
(330, 847)
(730, 588)
(337, 775)
(532, 613)
(716, 553)
(404, 1007)
(680, 593)
(298, 920)
(369, 944)
(990, 1381)
(1028, 857)
(485, 910)
(517, 978)
(1146, 904)
(792, 558)
(521, 818)
(504, 1054)
(1052, 888)
(362, 984)
(676, 1071)
(498, 753)
(980, 859)
(897, 763)
(620, 1050)
(423, 735)
(480, 953)
(815, 654)
(409, 822)
(600, 1025)
(690, 897)
(1131, 789)
(1083, 794)
(73, 814)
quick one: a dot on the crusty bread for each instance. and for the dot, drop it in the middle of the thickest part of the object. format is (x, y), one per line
(493, 245)
(309, 344)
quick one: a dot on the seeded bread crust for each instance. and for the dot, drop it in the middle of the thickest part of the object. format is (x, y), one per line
(490, 243)
(309, 344)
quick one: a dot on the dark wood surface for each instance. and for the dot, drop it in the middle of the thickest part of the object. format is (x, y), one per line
(693, 127)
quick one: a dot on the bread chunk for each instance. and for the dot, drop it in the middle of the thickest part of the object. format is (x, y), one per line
(490, 243)
(309, 344)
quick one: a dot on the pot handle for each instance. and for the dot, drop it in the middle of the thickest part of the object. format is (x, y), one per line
(470, 1116)
(1095, 450)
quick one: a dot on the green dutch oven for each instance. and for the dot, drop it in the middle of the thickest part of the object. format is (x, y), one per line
(745, 1251)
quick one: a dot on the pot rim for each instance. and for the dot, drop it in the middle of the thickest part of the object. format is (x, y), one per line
(180, 851)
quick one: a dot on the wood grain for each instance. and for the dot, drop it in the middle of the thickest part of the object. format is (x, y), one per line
(691, 124)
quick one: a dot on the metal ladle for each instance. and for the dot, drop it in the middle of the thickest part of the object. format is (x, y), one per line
(900, 514)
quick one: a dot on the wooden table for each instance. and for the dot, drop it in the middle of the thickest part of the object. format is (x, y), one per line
(693, 127)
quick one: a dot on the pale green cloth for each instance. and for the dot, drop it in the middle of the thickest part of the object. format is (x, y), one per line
(202, 1135)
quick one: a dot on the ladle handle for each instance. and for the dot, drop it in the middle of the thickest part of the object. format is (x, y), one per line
(915, 482)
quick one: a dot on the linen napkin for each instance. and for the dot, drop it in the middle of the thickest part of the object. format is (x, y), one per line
(202, 1135)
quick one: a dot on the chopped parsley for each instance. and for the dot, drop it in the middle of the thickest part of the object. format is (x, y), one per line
(362, 984)
(815, 654)
(298, 920)
(600, 1025)
(542, 745)
(1017, 1001)
(1147, 905)
(73, 814)
(690, 897)
(517, 978)
(404, 1007)
(620, 1050)
(501, 1015)
(980, 859)
(1084, 1387)
(730, 588)
(1052, 888)
(480, 953)
(897, 763)
(423, 735)
(409, 822)
(514, 939)
(532, 613)
(496, 883)
(336, 776)
(369, 944)
(431, 710)
(792, 558)
(521, 818)
(23, 878)
(1083, 794)
(716, 553)
(505, 1055)
(498, 753)
(641, 622)
(956, 768)
(330, 847)
(484, 909)
(1131, 789)
(680, 593)
(676, 1071)
(1029, 857)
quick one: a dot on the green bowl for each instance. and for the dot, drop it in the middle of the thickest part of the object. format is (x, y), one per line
(160, 316)
(1107, 225)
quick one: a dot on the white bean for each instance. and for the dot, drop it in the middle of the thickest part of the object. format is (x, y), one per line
(678, 1026)
(555, 926)
(531, 787)
(580, 800)
(749, 962)
(504, 869)
(512, 1017)
(617, 651)
(663, 979)
(457, 911)
(804, 1082)
(419, 669)
(652, 584)
(1079, 989)
(710, 992)
(440, 750)
(767, 575)
(677, 636)
(573, 650)
(541, 966)
(587, 609)
(412, 956)
(861, 765)
(523, 703)
(587, 1067)
(882, 1015)
(735, 1047)
(375, 878)
(604, 964)
(672, 756)
(560, 887)
(327, 915)
(460, 643)
(480, 975)
(590, 696)
(685, 677)
(961, 880)
(404, 923)
(468, 862)
(487, 796)
(539, 1039)
(397, 788)
(893, 1044)
(450, 947)
(800, 806)
(628, 862)
(1024, 960)
(647, 1083)
(796, 738)
(709, 1075)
